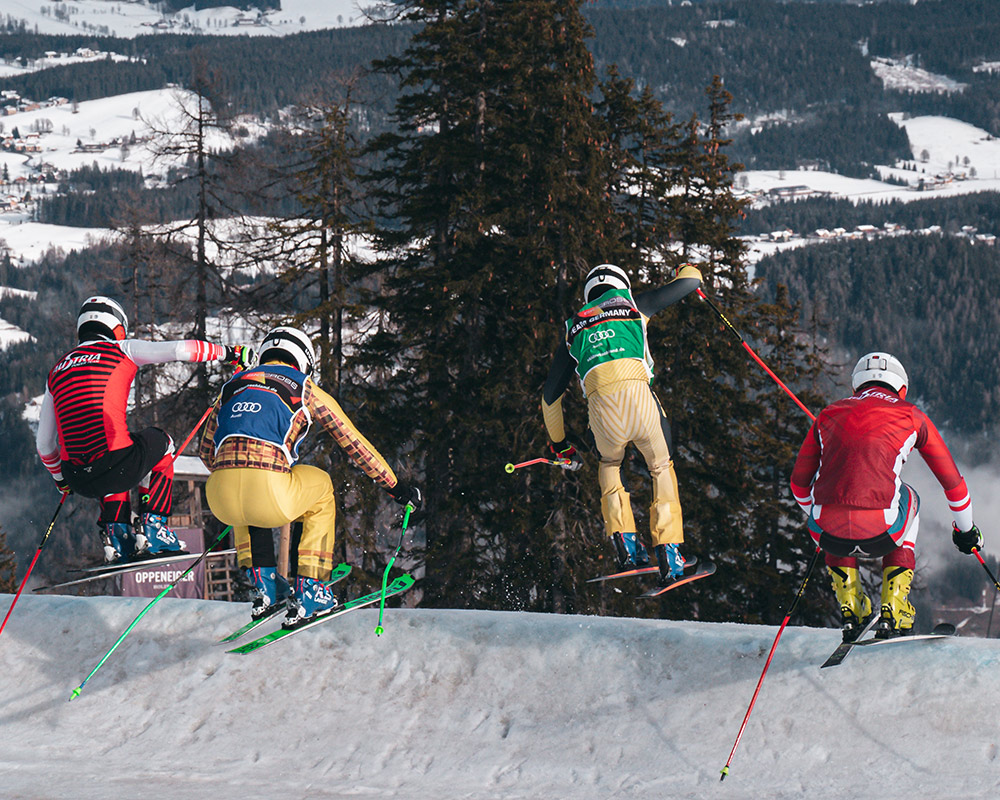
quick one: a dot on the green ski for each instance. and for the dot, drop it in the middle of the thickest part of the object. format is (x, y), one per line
(340, 572)
(398, 586)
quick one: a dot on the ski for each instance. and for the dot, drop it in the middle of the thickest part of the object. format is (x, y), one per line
(630, 573)
(398, 586)
(844, 648)
(940, 631)
(132, 566)
(703, 570)
(340, 572)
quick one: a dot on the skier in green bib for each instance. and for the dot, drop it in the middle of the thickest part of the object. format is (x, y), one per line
(606, 346)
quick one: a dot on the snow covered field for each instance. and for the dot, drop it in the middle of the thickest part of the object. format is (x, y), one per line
(948, 142)
(128, 19)
(468, 705)
(104, 122)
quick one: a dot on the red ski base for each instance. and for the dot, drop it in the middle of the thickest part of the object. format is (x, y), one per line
(704, 569)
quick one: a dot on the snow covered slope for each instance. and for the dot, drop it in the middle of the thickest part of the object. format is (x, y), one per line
(465, 704)
(127, 19)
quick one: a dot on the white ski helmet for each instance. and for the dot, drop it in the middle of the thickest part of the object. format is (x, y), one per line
(882, 368)
(290, 345)
(602, 278)
(101, 318)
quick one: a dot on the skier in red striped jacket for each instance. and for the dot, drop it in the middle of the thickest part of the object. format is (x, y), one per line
(84, 441)
(847, 479)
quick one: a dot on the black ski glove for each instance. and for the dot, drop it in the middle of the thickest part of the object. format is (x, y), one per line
(967, 541)
(62, 486)
(565, 451)
(404, 493)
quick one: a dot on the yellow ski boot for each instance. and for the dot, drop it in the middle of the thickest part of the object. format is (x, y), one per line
(855, 607)
(897, 613)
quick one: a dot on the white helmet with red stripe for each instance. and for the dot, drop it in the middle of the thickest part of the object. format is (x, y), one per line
(879, 368)
(101, 318)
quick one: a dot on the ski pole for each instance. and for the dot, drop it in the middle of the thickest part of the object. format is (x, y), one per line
(556, 462)
(977, 554)
(194, 430)
(153, 602)
(788, 616)
(379, 630)
(31, 566)
(755, 357)
(190, 436)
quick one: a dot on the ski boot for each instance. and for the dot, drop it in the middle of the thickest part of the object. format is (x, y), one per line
(310, 600)
(159, 539)
(671, 563)
(855, 607)
(270, 590)
(119, 542)
(630, 551)
(897, 613)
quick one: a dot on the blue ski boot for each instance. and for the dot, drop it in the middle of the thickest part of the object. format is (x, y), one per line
(160, 540)
(630, 551)
(270, 590)
(670, 561)
(310, 600)
(119, 542)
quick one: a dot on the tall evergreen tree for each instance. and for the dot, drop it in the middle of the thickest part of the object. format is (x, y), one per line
(496, 181)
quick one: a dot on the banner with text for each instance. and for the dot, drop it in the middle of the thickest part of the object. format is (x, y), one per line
(150, 582)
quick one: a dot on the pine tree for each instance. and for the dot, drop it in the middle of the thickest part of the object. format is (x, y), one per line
(496, 180)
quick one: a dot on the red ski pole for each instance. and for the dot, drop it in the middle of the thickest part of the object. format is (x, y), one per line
(31, 566)
(194, 430)
(781, 630)
(556, 462)
(976, 553)
(755, 357)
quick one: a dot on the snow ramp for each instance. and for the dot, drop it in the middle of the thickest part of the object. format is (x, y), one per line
(462, 705)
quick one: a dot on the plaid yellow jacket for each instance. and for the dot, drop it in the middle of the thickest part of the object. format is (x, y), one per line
(238, 452)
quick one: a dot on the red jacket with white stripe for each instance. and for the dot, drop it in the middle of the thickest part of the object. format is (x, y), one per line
(87, 392)
(854, 453)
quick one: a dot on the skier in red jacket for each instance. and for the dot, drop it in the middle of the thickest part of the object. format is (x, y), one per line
(847, 479)
(84, 441)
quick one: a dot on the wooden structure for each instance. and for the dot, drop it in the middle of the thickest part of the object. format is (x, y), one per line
(220, 571)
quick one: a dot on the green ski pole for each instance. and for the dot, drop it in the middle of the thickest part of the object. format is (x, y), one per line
(379, 630)
(153, 602)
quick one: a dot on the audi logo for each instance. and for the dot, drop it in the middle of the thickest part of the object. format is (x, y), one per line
(600, 336)
(250, 408)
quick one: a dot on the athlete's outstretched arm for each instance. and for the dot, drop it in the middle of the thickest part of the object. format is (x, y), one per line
(650, 302)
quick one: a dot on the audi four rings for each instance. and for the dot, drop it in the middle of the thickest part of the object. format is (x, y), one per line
(599, 336)
(250, 408)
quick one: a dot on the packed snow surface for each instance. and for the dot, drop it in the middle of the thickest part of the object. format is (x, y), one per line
(475, 704)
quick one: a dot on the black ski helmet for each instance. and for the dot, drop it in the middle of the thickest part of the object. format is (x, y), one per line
(101, 318)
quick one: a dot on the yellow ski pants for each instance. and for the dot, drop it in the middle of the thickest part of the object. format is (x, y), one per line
(242, 497)
(623, 412)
